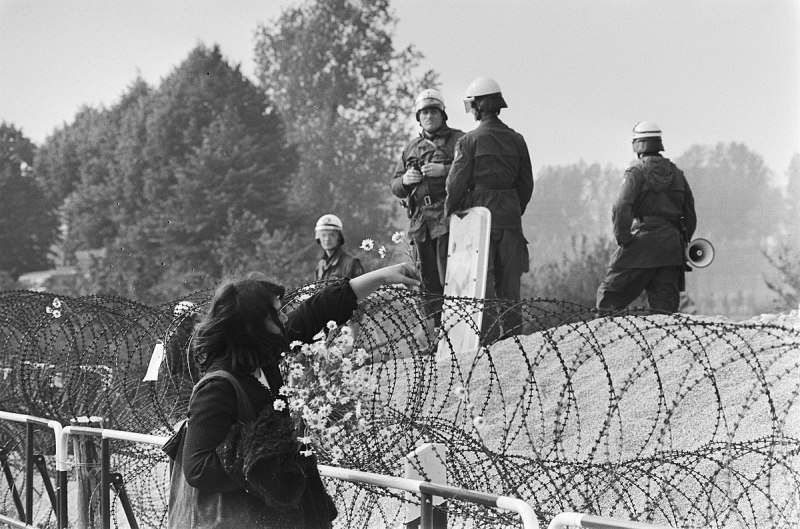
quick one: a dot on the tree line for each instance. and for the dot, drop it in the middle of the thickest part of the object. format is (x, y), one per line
(209, 173)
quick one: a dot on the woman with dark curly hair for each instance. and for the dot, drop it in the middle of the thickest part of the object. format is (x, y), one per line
(238, 463)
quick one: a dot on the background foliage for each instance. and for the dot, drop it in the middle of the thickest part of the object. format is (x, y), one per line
(28, 224)
(210, 174)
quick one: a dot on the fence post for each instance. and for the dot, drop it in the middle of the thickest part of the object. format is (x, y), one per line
(29, 461)
(105, 483)
(87, 476)
(427, 463)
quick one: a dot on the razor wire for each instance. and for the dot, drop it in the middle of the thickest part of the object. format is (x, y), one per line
(689, 421)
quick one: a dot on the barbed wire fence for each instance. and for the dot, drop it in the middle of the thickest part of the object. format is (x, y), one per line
(683, 420)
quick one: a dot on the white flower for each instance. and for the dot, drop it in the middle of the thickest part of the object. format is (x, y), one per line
(361, 355)
(367, 245)
(398, 237)
(307, 453)
(304, 440)
(285, 391)
(345, 339)
(382, 251)
(181, 308)
(295, 343)
(331, 325)
(333, 430)
(279, 405)
(56, 303)
(336, 454)
(461, 392)
(478, 421)
(49, 309)
(56, 313)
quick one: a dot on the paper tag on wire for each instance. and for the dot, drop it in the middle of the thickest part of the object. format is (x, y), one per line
(155, 362)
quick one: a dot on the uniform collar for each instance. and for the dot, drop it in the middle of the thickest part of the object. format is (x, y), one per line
(438, 133)
(334, 258)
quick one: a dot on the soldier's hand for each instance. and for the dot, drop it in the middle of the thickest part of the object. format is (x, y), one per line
(432, 170)
(412, 177)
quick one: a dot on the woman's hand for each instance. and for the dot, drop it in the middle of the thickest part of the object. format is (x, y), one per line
(401, 274)
(398, 274)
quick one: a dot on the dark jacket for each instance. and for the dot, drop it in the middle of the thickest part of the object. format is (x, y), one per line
(341, 264)
(212, 426)
(426, 213)
(654, 202)
(492, 168)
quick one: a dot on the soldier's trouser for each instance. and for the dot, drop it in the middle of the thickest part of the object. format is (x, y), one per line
(432, 256)
(623, 285)
(508, 260)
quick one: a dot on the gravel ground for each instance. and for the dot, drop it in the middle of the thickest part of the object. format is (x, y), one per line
(681, 420)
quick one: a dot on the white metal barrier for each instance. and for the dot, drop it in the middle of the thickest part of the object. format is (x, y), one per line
(590, 521)
(426, 490)
(26, 512)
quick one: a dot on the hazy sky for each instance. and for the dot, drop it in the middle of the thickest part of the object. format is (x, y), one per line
(577, 75)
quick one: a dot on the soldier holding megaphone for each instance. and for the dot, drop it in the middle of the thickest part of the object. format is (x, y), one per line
(654, 218)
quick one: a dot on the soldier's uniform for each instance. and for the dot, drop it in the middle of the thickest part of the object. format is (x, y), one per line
(340, 264)
(428, 226)
(653, 217)
(492, 168)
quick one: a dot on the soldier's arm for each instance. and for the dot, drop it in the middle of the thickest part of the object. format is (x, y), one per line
(398, 189)
(356, 268)
(524, 182)
(689, 214)
(622, 212)
(459, 178)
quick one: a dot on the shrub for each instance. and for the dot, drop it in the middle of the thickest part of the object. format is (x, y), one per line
(576, 276)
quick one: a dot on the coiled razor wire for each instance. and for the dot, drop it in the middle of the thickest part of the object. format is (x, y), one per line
(673, 419)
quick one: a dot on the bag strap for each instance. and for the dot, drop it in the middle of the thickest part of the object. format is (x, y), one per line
(244, 408)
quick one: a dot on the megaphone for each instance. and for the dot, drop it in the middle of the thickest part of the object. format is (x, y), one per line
(699, 253)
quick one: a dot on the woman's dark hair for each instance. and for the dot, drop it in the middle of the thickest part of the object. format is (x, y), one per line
(234, 328)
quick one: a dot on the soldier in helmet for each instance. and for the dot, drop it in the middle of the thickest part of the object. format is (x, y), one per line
(336, 261)
(492, 168)
(419, 182)
(653, 217)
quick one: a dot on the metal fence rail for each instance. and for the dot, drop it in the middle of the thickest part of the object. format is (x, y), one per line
(590, 521)
(425, 490)
(26, 512)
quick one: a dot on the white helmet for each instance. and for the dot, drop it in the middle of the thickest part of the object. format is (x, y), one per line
(481, 87)
(329, 222)
(646, 129)
(429, 98)
(647, 138)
